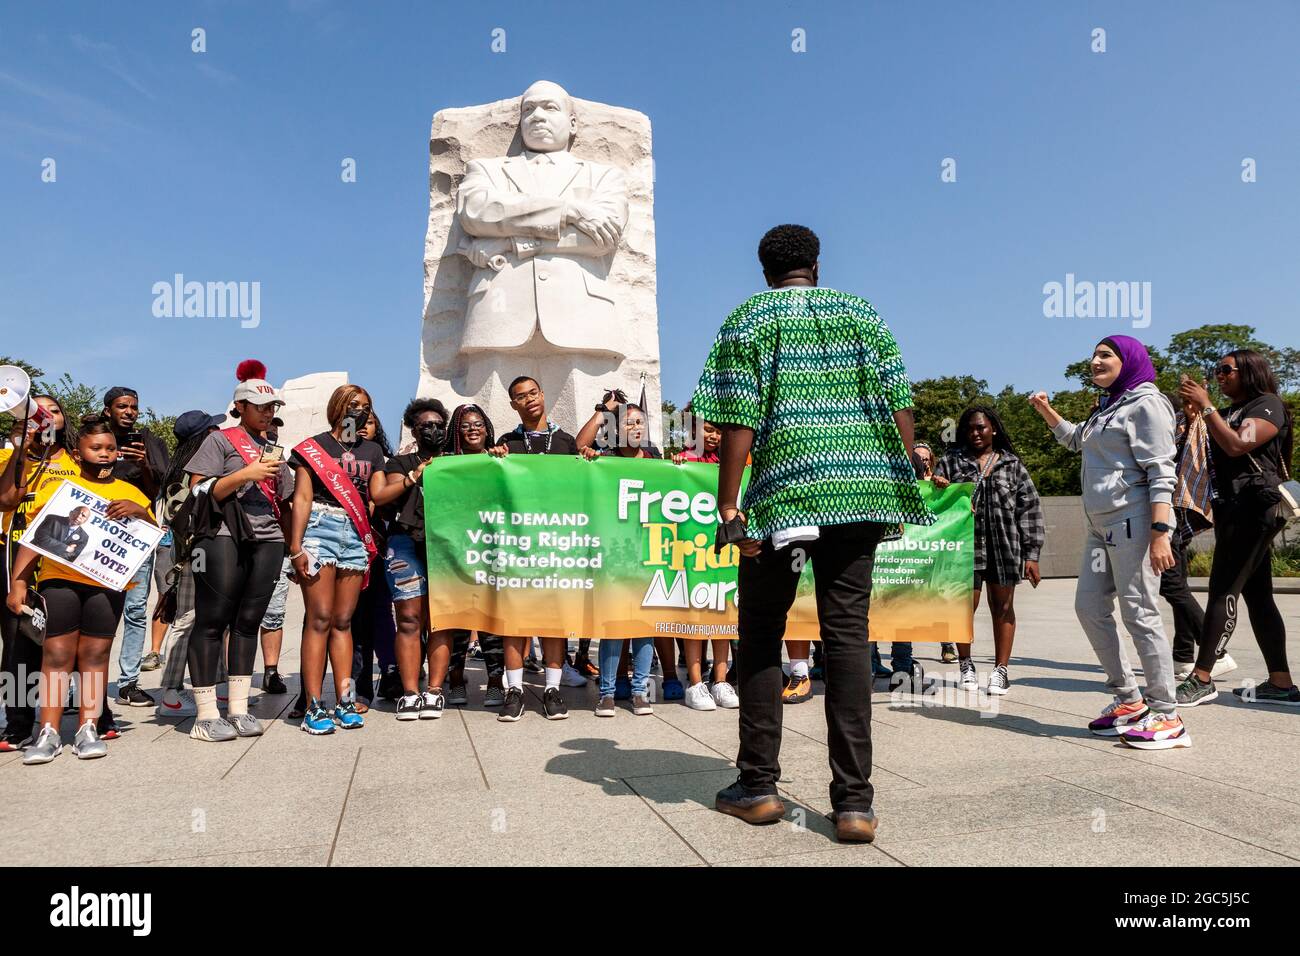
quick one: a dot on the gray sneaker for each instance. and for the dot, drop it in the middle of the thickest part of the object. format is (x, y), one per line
(640, 706)
(1268, 693)
(214, 729)
(151, 662)
(458, 695)
(1192, 693)
(246, 725)
(48, 746)
(87, 745)
(494, 696)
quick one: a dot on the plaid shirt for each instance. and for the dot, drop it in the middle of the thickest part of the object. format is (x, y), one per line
(1194, 470)
(1009, 527)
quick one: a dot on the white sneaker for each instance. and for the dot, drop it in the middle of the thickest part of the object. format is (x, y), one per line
(724, 695)
(699, 698)
(1181, 670)
(969, 676)
(999, 682)
(176, 704)
(571, 678)
(1224, 665)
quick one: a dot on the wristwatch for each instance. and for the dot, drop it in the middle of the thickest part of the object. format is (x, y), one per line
(1162, 527)
(1207, 411)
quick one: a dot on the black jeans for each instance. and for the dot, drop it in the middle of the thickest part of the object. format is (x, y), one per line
(231, 590)
(1189, 619)
(842, 559)
(374, 632)
(1243, 567)
(494, 652)
(20, 663)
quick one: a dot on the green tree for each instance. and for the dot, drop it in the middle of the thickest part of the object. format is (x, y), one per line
(674, 434)
(80, 399)
(1054, 468)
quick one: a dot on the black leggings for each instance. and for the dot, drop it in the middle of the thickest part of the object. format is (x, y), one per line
(231, 591)
(1243, 567)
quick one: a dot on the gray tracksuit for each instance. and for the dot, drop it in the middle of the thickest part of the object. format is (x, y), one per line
(1128, 465)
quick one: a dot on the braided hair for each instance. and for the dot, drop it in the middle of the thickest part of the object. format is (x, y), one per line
(452, 443)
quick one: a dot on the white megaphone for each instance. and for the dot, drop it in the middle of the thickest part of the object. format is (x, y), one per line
(15, 398)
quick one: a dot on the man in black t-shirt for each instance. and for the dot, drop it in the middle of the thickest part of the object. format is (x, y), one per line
(534, 436)
(142, 460)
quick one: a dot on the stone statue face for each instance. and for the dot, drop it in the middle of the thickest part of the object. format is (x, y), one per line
(546, 118)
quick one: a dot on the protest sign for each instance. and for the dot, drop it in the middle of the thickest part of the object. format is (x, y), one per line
(553, 546)
(73, 530)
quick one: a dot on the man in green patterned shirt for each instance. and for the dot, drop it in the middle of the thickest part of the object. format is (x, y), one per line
(810, 381)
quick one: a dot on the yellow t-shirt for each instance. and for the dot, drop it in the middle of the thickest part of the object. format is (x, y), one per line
(109, 490)
(56, 468)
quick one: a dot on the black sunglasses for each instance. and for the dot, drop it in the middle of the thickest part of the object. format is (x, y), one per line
(1225, 370)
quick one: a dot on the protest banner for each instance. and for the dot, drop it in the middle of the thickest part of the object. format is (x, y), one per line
(73, 530)
(552, 546)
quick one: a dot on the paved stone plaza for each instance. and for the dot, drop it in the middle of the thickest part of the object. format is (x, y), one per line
(955, 785)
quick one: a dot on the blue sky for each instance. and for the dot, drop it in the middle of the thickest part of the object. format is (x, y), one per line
(1115, 166)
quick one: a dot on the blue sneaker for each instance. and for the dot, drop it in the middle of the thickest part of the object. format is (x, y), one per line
(346, 716)
(623, 688)
(316, 720)
(673, 689)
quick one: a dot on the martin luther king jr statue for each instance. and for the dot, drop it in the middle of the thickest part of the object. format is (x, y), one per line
(559, 250)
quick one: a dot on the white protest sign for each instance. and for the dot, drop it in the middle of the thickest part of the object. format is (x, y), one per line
(73, 530)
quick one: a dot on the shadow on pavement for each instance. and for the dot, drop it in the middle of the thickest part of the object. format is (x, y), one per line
(594, 753)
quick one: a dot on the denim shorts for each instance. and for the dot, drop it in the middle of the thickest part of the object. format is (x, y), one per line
(404, 568)
(332, 538)
(273, 619)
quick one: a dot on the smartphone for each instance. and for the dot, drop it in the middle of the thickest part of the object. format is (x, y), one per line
(272, 452)
(313, 565)
(134, 438)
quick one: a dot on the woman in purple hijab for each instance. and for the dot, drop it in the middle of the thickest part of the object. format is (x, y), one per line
(1128, 483)
(1135, 364)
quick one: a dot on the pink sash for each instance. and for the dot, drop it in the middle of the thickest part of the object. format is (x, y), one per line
(251, 452)
(344, 492)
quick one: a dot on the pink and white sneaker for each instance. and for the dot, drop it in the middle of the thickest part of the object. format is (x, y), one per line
(1157, 732)
(1118, 717)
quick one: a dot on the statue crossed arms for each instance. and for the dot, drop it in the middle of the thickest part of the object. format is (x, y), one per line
(541, 229)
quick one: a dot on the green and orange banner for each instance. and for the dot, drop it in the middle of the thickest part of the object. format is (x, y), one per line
(553, 546)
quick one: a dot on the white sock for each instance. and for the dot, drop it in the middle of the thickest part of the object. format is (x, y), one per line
(238, 703)
(553, 675)
(515, 678)
(205, 698)
(798, 669)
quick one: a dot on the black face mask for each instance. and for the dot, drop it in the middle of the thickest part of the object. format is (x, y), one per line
(429, 436)
(359, 418)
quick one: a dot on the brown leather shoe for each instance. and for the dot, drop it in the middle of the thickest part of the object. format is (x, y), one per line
(855, 826)
(753, 808)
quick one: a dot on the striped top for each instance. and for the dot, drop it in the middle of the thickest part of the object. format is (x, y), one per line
(817, 375)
